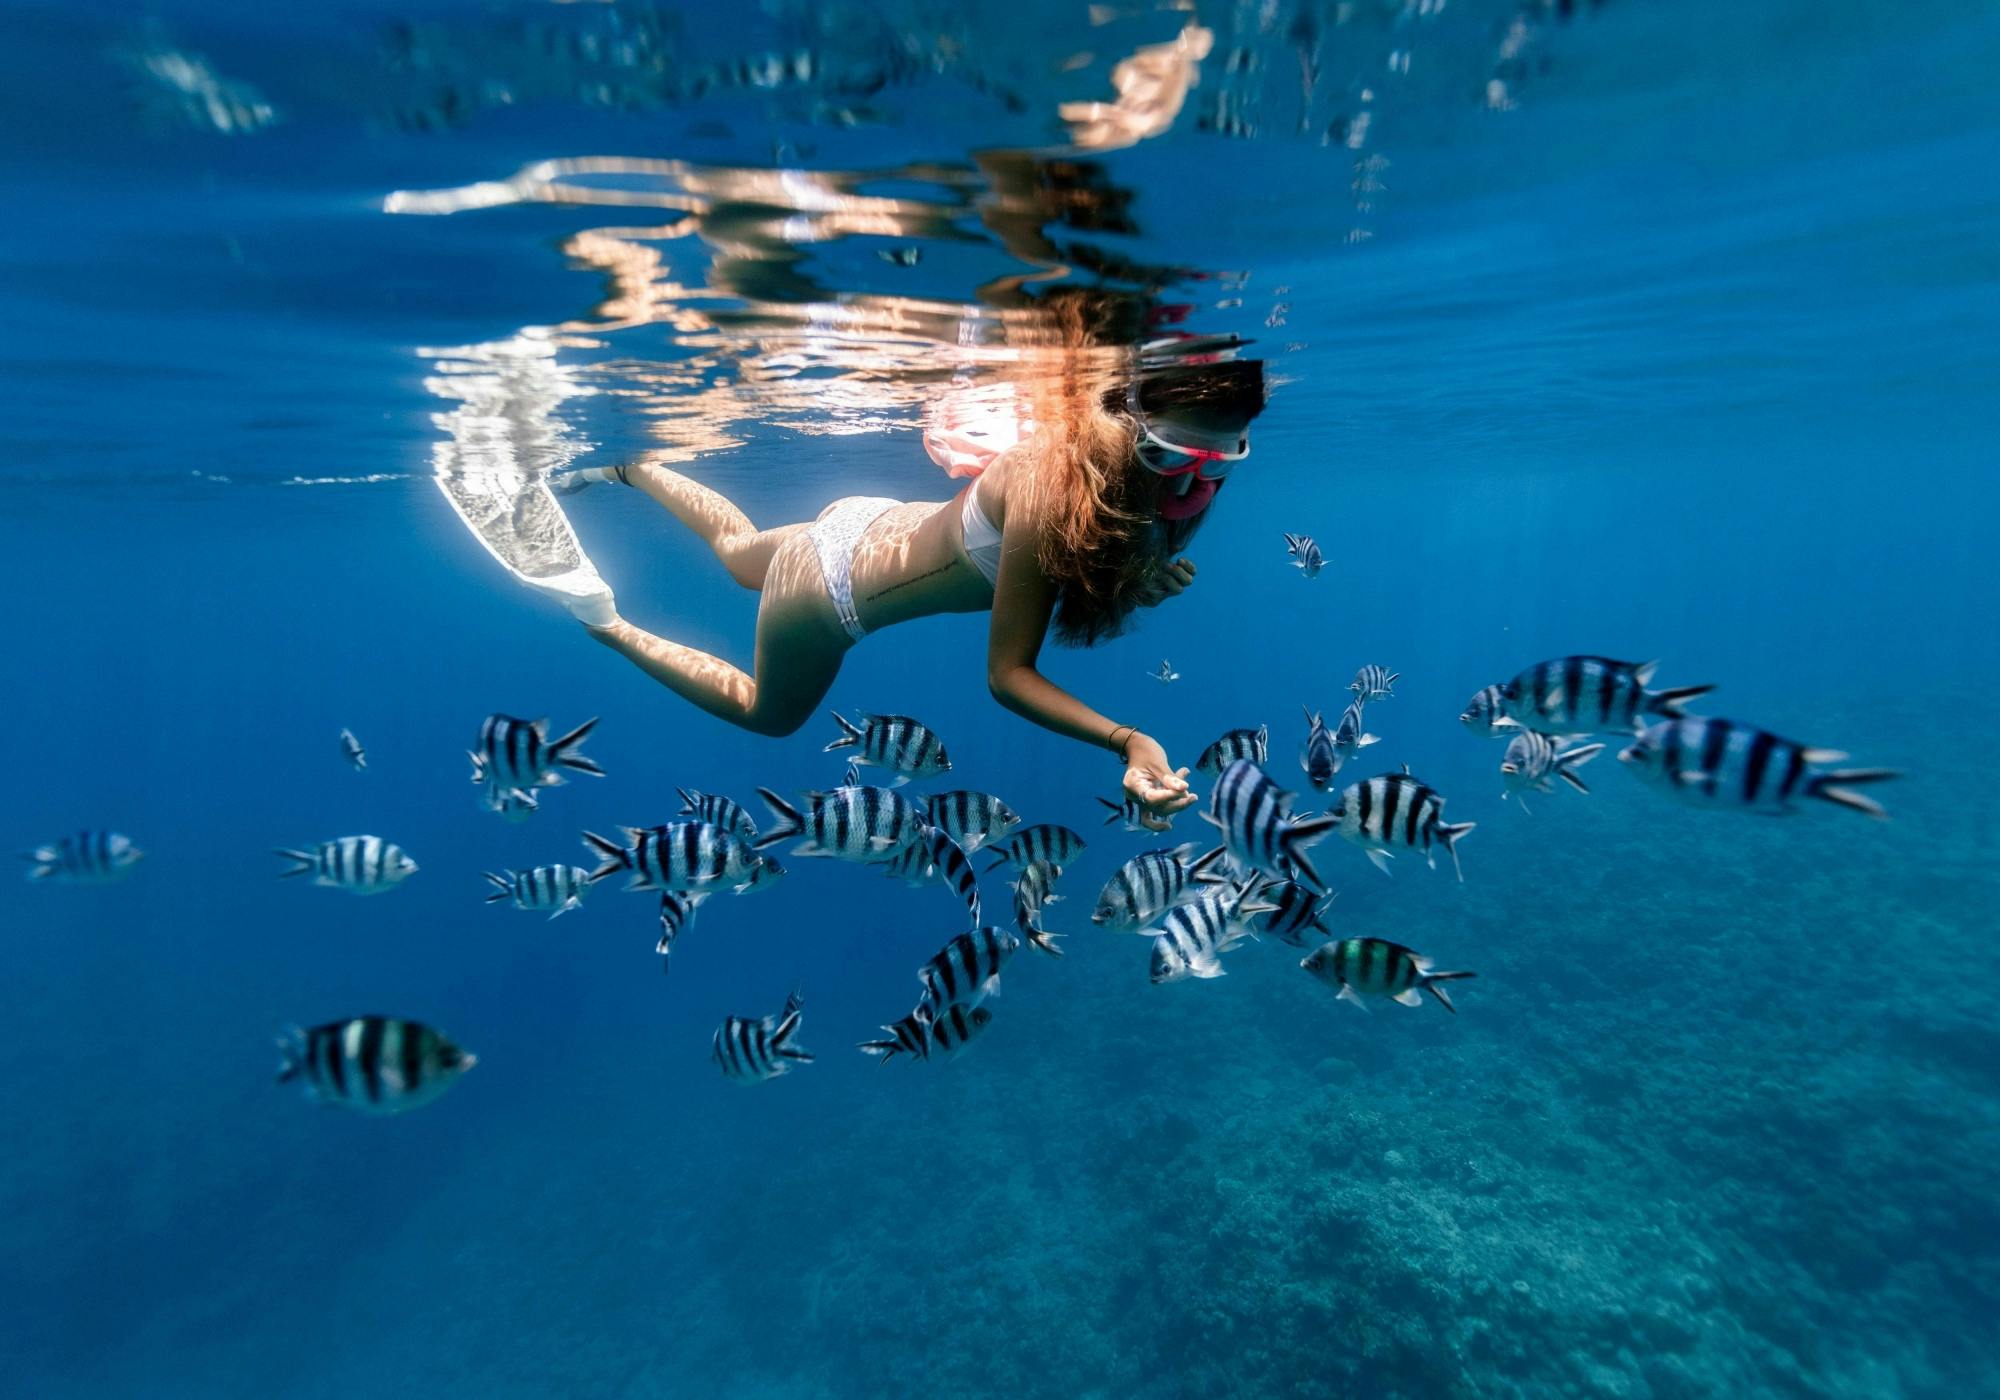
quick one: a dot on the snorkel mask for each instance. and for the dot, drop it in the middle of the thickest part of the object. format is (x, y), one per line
(1192, 417)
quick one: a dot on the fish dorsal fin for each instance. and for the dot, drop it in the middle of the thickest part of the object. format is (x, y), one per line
(1644, 674)
(1823, 756)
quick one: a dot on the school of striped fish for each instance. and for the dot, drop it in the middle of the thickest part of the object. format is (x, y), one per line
(1261, 880)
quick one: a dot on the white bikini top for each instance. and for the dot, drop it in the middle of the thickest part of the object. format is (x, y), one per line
(982, 536)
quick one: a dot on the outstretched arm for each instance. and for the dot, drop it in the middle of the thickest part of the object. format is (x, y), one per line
(1023, 602)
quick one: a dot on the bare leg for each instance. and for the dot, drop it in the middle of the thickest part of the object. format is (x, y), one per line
(800, 645)
(743, 549)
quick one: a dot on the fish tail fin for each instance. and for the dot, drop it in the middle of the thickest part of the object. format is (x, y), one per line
(1568, 762)
(1115, 810)
(883, 1050)
(1669, 702)
(303, 863)
(1836, 787)
(291, 1043)
(781, 1039)
(850, 734)
(1294, 840)
(687, 801)
(563, 750)
(785, 820)
(503, 888)
(1208, 869)
(616, 856)
(1448, 833)
(1430, 980)
(1043, 940)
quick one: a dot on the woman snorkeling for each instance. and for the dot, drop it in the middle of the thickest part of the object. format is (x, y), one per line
(1069, 531)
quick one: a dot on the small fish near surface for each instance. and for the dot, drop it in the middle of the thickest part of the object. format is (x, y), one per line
(865, 824)
(1297, 914)
(518, 753)
(357, 864)
(1258, 830)
(755, 1050)
(1305, 554)
(1486, 714)
(1034, 887)
(1720, 763)
(966, 970)
(901, 257)
(351, 750)
(1055, 845)
(683, 856)
(922, 1037)
(1396, 811)
(725, 812)
(677, 911)
(1590, 694)
(373, 1064)
(1372, 683)
(1378, 968)
(1534, 761)
(1150, 884)
(1134, 815)
(87, 858)
(1236, 745)
(559, 888)
(970, 818)
(1192, 938)
(895, 742)
(1166, 675)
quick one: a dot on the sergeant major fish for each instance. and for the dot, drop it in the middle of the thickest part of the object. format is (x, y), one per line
(1718, 762)
(87, 858)
(1372, 683)
(1150, 884)
(1348, 738)
(725, 812)
(966, 970)
(1376, 967)
(1033, 888)
(925, 1038)
(1258, 831)
(1251, 744)
(677, 910)
(518, 753)
(1193, 937)
(1133, 814)
(1397, 810)
(1486, 713)
(1057, 845)
(351, 750)
(375, 1064)
(752, 1051)
(1587, 694)
(1534, 761)
(1166, 675)
(865, 824)
(1305, 554)
(358, 864)
(1296, 913)
(896, 742)
(970, 818)
(557, 887)
(684, 856)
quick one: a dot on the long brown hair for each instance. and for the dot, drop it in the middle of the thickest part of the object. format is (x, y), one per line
(1101, 535)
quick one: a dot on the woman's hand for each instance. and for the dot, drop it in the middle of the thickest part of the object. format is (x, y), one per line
(1154, 783)
(1167, 581)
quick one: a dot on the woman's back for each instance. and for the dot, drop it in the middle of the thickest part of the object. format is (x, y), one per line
(912, 561)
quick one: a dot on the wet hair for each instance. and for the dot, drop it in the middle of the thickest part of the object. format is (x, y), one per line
(1102, 538)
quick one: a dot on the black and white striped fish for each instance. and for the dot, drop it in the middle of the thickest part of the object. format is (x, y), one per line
(1587, 694)
(939, 1037)
(376, 1064)
(724, 812)
(359, 864)
(1057, 845)
(1237, 744)
(1192, 938)
(1148, 885)
(1034, 887)
(1258, 831)
(556, 887)
(1395, 810)
(1534, 761)
(518, 753)
(1720, 763)
(1485, 714)
(1317, 754)
(683, 856)
(677, 911)
(896, 742)
(1372, 683)
(935, 856)
(1166, 675)
(87, 858)
(866, 824)
(966, 970)
(1133, 814)
(512, 804)
(970, 818)
(751, 1051)
(1305, 554)
(1299, 914)
(351, 750)
(1378, 968)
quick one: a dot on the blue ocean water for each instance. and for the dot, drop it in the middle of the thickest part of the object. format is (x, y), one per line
(1640, 329)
